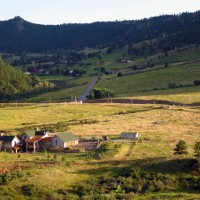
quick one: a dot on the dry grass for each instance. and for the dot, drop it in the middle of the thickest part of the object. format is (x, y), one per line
(160, 128)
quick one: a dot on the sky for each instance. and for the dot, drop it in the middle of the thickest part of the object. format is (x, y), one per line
(87, 11)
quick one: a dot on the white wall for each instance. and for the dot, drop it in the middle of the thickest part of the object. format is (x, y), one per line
(60, 143)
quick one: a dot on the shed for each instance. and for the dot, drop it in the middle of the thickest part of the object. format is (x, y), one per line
(129, 135)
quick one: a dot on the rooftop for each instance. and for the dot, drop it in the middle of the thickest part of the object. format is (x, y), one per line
(67, 136)
(7, 138)
(30, 133)
(132, 133)
(37, 133)
(46, 139)
(34, 139)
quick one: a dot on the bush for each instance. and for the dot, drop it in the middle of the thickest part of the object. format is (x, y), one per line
(55, 156)
(1, 181)
(196, 82)
(119, 74)
(100, 93)
(172, 85)
(5, 179)
(33, 190)
(63, 159)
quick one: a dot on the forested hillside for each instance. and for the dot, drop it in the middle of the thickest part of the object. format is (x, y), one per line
(18, 35)
(14, 82)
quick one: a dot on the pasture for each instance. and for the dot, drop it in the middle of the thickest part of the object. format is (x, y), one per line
(55, 175)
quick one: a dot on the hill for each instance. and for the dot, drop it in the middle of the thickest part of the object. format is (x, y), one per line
(18, 35)
(13, 82)
(156, 76)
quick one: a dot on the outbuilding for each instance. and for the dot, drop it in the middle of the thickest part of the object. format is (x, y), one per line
(129, 135)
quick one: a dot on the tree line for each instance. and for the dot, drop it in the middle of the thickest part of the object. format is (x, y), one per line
(13, 82)
(18, 35)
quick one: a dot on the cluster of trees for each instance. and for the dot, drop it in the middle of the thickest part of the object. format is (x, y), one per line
(14, 82)
(18, 35)
(100, 93)
(129, 183)
(181, 149)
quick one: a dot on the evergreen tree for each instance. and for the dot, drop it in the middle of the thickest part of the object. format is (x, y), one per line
(181, 148)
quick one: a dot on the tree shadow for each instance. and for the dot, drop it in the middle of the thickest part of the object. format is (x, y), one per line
(159, 165)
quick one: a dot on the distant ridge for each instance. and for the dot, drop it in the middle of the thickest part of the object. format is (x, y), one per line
(18, 35)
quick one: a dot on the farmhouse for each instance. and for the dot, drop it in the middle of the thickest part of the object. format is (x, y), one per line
(129, 135)
(64, 140)
(10, 144)
(32, 142)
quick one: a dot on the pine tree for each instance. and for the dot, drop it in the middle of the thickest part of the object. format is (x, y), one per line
(181, 148)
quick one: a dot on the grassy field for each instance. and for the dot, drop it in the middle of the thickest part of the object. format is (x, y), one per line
(63, 95)
(160, 128)
(154, 82)
(185, 95)
(74, 89)
(56, 176)
(182, 69)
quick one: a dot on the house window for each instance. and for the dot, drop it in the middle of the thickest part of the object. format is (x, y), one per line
(56, 142)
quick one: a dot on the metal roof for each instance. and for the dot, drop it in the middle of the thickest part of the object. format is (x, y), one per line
(67, 137)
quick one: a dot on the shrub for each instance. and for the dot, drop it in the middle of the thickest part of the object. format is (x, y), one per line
(33, 190)
(55, 156)
(63, 159)
(1, 180)
(119, 74)
(196, 82)
(172, 85)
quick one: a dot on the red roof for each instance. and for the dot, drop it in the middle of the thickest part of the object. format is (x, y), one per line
(46, 139)
(34, 139)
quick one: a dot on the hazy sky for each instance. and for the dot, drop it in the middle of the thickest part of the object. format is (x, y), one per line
(73, 11)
